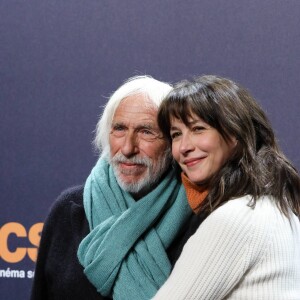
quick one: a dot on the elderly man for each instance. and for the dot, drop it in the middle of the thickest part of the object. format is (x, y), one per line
(115, 237)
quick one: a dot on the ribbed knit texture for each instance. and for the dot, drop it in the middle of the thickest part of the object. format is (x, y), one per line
(239, 253)
(195, 193)
(124, 255)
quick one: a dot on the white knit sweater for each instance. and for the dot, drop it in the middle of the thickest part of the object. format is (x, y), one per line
(239, 253)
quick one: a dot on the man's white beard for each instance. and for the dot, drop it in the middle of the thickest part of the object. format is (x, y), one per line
(150, 177)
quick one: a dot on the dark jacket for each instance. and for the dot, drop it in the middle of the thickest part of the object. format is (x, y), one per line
(58, 274)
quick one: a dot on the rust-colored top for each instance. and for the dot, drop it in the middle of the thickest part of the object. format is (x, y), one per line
(195, 193)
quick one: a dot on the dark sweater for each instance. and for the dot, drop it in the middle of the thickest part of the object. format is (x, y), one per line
(58, 273)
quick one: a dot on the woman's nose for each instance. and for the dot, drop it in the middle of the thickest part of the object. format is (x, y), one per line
(186, 144)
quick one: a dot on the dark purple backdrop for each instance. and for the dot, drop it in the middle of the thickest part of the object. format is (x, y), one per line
(60, 60)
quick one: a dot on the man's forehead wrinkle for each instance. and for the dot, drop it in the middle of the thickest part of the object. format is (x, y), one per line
(129, 104)
(136, 109)
(137, 118)
(148, 124)
(135, 113)
(142, 99)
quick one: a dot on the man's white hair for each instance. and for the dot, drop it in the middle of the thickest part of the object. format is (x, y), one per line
(150, 88)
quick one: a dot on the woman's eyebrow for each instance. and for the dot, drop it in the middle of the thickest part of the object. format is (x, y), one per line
(174, 128)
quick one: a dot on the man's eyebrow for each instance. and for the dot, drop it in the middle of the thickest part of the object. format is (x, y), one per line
(114, 124)
(149, 126)
(145, 125)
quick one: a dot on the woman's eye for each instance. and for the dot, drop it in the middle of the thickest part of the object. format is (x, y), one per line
(174, 135)
(198, 128)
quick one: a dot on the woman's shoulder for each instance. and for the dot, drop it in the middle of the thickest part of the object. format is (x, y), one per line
(260, 223)
(238, 207)
(241, 216)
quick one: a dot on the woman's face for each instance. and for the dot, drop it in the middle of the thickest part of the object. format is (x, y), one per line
(199, 149)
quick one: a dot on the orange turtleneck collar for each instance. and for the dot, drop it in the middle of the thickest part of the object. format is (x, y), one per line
(195, 193)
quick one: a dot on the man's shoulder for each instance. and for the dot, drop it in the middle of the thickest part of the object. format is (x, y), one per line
(68, 207)
(72, 196)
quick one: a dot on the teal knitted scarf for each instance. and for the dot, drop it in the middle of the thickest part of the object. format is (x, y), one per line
(124, 255)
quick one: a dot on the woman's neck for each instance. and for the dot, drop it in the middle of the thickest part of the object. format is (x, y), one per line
(195, 193)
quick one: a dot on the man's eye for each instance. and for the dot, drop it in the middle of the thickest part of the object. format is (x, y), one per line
(118, 128)
(146, 132)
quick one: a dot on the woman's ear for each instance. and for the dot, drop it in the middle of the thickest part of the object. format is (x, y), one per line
(233, 141)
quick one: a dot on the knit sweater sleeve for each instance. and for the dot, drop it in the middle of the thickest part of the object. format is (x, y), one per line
(55, 231)
(216, 257)
(58, 273)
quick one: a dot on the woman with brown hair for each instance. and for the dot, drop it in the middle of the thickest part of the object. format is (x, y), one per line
(232, 168)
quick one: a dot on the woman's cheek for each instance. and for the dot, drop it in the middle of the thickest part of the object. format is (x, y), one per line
(175, 151)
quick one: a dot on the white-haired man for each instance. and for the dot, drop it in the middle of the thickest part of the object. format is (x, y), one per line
(115, 237)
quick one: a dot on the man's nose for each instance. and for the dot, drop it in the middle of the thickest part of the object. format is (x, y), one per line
(131, 144)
